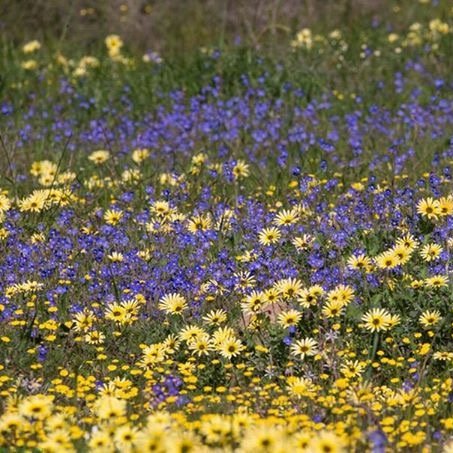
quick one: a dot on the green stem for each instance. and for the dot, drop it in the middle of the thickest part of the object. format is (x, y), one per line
(373, 353)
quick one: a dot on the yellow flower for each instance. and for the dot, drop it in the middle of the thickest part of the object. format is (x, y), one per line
(37, 406)
(263, 439)
(199, 223)
(304, 38)
(304, 347)
(352, 368)
(113, 216)
(401, 253)
(289, 318)
(360, 262)
(300, 386)
(161, 208)
(286, 217)
(115, 312)
(241, 170)
(268, 236)
(115, 257)
(429, 208)
(429, 319)
(125, 437)
(100, 441)
(303, 242)
(100, 156)
(5, 203)
(215, 317)
(408, 241)
(36, 202)
(139, 155)
(289, 287)
(113, 44)
(431, 252)
(437, 281)
(230, 347)
(31, 46)
(342, 293)
(446, 205)
(108, 407)
(173, 303)
(201, 345)
(376, 319)
(326, 441)
(332, 308)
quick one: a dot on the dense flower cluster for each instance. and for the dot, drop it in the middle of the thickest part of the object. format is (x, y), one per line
(244, 273)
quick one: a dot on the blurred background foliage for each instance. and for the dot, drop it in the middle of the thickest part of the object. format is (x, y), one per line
(175, 27)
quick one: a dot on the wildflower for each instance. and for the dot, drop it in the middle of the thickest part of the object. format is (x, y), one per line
(215, 317)
(222, 334)
(286, 218)
(303, 242)
(271, 295)
(262, 439)
(171, 343)
(201, 345)
(115, 257)
(304, 38)
(268, 236)
(161, 208)
(332, 308)
(431, 252)
(401, 253)
(443, 355)
(326, 441)
(152, 440)
(408, 241)
(115, 312)
(114, 44)
(29, 65)
(199, 223)
(125, 437)
(99, 156)
(343, 293)
(305, 347)
(230, 347)
(309, 296)
(254, 302)
(191, 333)
(352, 369)
(289, 318)
(360, 262)
(429, 208)
(37, 406)
(393, 321)
(83, 321)
(241, 170)
(429, 319)
(386, 260)
(100, 441)
(300, 386)
(5, 203)
(289, 287)
(437, 281)
(173, 304)
(139, 155)
(446, 205)
(36, 202)
(376, 319)
(183, 442)
(416, 284)
(109, 407)
(31, 46)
